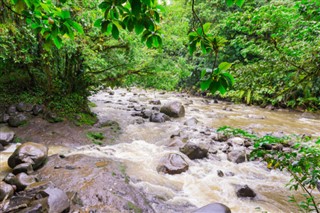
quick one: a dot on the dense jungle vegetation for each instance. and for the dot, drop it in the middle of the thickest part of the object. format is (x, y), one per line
(262, 52)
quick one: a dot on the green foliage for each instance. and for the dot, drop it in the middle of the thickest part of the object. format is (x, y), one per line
(230, 131)
(96, 137)
(302, 161)
(85, 119)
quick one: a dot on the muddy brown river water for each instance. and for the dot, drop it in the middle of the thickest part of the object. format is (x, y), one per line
(145, 144)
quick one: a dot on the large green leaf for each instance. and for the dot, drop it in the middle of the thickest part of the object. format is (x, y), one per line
(76, 26)
(224, 66)
(115, 31)
(65, 14)
(192, 47)
(204, 85)
(229, 77)
(206, 27)
(214, 86)
(239, 2)
(138, 28)
(98, 22)
(57, 41)
(230, 2)
(149, 42)
(136, 7)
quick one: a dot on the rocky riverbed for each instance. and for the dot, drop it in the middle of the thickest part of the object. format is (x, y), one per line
(159, 152)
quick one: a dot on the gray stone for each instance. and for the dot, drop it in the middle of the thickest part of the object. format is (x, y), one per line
(23, 167)
(138, 121)
(155, 102)
(29, 152)
(12, 110)
(37, 109)
(236, 140)
(6, 191)
(191, 122)
(220, 173)
(4, 117)
(146, 113)
(172, 164)
(52, 117)
(21, 180)
(256, 116)
(39, 197)
(57, 200)
(17, 120)
(245, 191)
(159, 117)
(214, 208)
(194, 151)
(6, 135)
(23, 107)
(237, 156)
(173, 109)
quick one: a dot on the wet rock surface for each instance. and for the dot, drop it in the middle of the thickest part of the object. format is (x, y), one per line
(173, 109)
(172, 164)
(6, 135)
(99, 185)
(214, 208)
(194, 151)
(6, 191)
(33, 153)
(39, 197)
(245, 192)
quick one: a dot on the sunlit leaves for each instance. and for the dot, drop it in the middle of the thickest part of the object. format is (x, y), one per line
(142, 16)
(237, 2)
(217, 80)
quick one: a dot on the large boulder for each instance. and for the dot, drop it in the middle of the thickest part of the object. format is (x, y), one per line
(93, 183)
(194, 151)
(6, 191)
(172, 164)
(245, 191)
(17, 120)
(29, 152)
(159, 117)
(173, 109)
(214, 208)
(6, 135)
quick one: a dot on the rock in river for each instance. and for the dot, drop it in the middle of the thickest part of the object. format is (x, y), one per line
(158, 117)
(6, 135)
(245, 191)
(172, 164)
(194, 151)
(173, 109)
(6, 190)
(29, 152)
(214, 208)
(21, 181)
